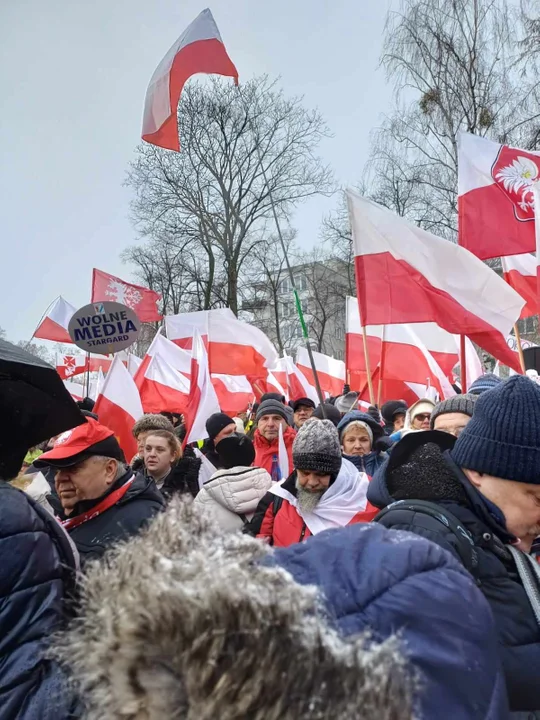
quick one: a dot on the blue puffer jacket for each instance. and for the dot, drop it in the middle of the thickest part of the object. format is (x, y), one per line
(389, 581)
(436, 478)
(36, 570)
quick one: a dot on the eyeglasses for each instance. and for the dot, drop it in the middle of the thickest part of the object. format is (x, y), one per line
(423, 416)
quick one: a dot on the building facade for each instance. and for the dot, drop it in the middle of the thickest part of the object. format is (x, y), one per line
(322, 288)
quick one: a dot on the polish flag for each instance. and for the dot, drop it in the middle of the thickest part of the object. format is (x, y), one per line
(133, 364)
(277, 386)
(519, 271)
(76, 390)
(141, 300)
(331, 372)
(496, 197)
(54, 325)
(96, 386)
(68, 366)
(289, 376)
(202, 400)
(199, 49)
(234, 393)
(234, 347)
(407, 275)
(163, 388)
(103, 362)
(119, 406)
(172, 354)
(406, 357)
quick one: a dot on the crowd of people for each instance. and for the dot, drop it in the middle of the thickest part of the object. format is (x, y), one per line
(302, 562)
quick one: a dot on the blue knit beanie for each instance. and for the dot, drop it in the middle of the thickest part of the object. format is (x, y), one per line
(503, 437)
(489, 381)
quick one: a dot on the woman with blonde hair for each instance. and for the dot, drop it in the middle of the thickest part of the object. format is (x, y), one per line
(173, 471)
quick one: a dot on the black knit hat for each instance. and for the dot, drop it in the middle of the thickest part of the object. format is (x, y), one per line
(503, 437)
(457, 404)
(391, 408)
(316, 447)
(331, 412)
(235, 450)
(273, 396)
(216, 423)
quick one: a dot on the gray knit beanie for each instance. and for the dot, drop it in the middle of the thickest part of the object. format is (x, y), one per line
(272, 407)
(459, 404)
(316, 448)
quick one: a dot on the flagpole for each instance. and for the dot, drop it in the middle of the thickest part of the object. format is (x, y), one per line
(368, 367)
(519, 348)
(463, 364)
(289, 268)
(381, 369)
(39, 323)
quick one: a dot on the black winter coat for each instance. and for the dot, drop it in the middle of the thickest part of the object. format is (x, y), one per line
(184, 477)
(36, 572)
(438, 479)
(127, 517)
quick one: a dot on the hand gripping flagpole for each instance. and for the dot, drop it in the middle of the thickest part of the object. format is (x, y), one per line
(289, 268)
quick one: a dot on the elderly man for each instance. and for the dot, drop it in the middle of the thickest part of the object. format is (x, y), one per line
(270, 416)
(483, 496)
(102, 500)
(303, 409)
(453, 415)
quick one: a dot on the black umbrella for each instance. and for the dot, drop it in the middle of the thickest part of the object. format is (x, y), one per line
(34, 406)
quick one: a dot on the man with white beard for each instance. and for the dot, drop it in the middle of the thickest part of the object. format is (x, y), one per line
(323, 491)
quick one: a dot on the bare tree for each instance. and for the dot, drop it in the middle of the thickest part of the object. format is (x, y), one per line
(262, 296)
(455, 65)
(238, 153)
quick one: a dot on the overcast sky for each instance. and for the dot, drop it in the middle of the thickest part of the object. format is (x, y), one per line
(74, 75)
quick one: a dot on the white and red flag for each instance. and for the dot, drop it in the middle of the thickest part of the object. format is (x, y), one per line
(202, 400)
(162, 387)
(331, 372)
(234, 393)
(519, 271)
(199, 49)
(407, 275)
(119, 406)
(174, 356)
(76, 390)
(289, 376)
(141, 300)
(133, 364)
(54, 326)
(496, 197)
(234, 347)
(402, 355)
(67, 366)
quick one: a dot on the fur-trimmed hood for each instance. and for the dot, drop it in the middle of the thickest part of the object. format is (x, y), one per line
(186, 622)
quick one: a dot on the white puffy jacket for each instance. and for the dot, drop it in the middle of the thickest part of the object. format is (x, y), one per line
(233, 493)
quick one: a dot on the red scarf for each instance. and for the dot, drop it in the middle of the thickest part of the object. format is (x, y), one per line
(105, 504)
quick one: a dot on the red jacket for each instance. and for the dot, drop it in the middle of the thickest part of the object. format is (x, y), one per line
(266, 451)
(279, 521)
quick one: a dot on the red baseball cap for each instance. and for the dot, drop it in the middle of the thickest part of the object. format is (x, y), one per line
(84, 441)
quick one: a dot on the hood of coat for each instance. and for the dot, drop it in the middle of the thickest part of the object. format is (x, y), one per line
(208, 631)
(238, 489)
(374, 426)
(429, 473)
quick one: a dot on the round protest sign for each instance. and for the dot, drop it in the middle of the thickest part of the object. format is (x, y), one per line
(104, 327)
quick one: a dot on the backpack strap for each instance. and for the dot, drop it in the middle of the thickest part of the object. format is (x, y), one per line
(465, 546)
